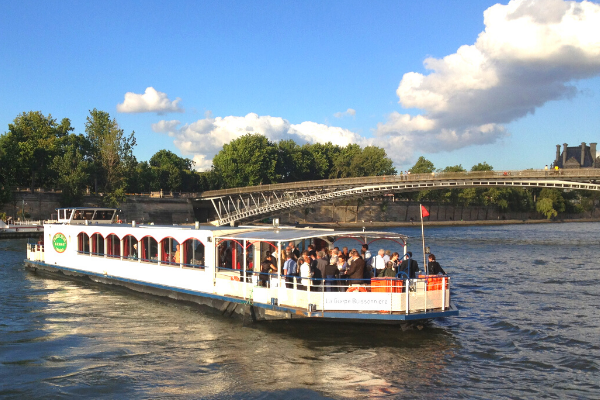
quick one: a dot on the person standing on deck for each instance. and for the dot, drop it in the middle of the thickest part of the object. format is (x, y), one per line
(305, 272)
(295, 251)
(290, 267)
(379, 262)
(409, 269)
(366, 254)
(320, 266)
(356, 270)
(434, 267)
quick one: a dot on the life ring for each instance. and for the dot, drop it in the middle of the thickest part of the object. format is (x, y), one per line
(357, 289)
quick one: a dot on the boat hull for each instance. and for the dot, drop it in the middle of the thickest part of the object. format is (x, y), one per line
(236, 307)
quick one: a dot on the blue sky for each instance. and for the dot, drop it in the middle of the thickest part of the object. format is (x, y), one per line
(314, 71)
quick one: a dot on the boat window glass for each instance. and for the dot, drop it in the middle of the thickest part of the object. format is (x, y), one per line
(113, 248)
(149, 250)
(170, 251)
(83, 243)
(193, 253)
(78, 215)
(88, 214)
(97, 244)
(130, 247)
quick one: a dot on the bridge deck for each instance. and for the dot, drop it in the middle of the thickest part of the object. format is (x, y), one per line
(579, 175)
(253, 201)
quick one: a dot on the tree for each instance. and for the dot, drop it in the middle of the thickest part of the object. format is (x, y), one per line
(544, 206)
(372, 161)
(72, 169)
(6, 173)
(453, 168)
(422, 166)
(245, 161)
(482, 167)
(550, 202)
(31, 143)
(172, 172)
(112, 155)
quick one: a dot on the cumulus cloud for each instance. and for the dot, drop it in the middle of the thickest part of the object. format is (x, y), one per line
(205, 138)
(151, 101)
(529, 53)
(349, 112)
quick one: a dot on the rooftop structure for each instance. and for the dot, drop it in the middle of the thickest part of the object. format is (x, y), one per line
(581, 156)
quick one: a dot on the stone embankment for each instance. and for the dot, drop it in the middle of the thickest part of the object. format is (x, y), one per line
(182, 209)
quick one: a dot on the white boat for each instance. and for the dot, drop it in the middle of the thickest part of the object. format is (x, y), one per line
(215, 266)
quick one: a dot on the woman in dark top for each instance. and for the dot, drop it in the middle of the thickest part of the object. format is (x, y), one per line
(434, 266)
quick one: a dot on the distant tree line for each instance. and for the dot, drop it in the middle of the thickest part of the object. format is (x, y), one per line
(39, 151)
(547, 201)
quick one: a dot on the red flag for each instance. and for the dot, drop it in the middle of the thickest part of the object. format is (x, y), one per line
(424, 211)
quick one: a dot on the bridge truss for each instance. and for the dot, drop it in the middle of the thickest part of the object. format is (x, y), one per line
(237, 204)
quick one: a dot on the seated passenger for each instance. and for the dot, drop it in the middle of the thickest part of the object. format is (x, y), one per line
(434, 267)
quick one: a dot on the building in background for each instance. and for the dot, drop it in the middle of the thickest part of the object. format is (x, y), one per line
(582, 156)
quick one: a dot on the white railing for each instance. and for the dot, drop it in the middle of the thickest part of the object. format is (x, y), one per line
(35, 252)
(26, 223)
(381, 295)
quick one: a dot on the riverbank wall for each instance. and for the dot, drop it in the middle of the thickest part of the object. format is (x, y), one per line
(164, 211)
(182, 209)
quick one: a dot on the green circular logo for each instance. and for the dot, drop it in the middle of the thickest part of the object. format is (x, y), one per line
(59, 242)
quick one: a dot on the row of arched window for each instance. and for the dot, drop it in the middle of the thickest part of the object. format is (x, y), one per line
(189, 253)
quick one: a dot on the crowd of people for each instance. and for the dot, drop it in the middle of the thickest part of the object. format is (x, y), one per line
(335, 269)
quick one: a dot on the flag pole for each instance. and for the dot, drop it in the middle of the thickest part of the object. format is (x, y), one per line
(426, 268)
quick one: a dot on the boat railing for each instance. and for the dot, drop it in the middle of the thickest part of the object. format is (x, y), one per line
(35, 251)
(391, 295)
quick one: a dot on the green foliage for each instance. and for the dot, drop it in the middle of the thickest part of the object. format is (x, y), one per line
(72, 170)
(558, 202)
(453, 168)
(247, 161)
(111, 155)
(482, 167)
(544, 206)
(30, 145)
(422, 166)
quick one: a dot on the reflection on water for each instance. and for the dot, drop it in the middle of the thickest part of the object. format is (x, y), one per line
(528, 327)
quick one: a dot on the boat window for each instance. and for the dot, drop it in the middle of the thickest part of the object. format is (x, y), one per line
(171, 253)
(149, 249)
(193, 253)
(97, 244)
(88, 214)
(78, 215)
(113, 246)
(130, 247)
(83, 243)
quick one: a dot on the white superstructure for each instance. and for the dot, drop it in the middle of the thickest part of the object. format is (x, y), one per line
(223, 265)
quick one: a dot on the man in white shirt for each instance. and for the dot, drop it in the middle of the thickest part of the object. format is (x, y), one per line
(378, 261)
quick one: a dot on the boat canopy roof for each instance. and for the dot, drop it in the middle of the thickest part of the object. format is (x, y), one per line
(293, 234)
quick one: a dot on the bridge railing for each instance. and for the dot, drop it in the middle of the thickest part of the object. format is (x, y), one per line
(530, 173)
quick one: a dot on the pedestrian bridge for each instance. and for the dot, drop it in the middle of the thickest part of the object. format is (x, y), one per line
(237, 204)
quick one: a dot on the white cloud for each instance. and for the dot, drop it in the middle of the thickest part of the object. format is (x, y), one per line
(529, 53)
(151, 101)
(206, 137)
(349, 112)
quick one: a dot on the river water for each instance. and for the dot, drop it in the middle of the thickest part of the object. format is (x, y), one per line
(529, 327)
